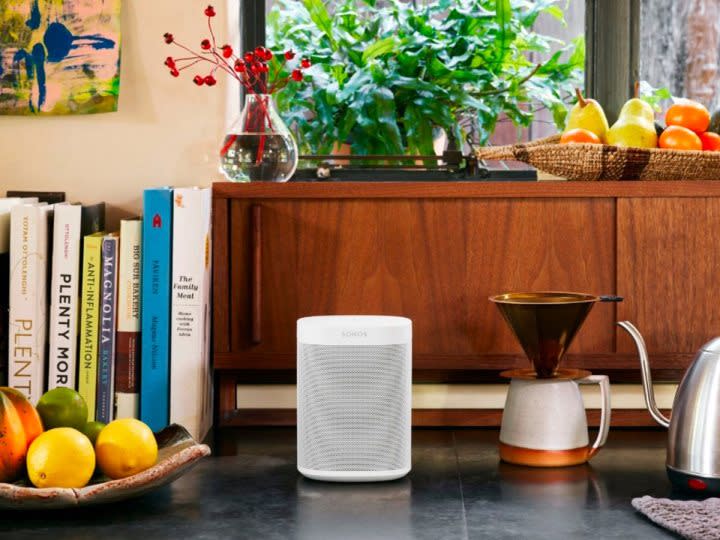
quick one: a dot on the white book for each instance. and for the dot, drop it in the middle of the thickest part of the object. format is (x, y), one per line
(127, 359)
(190, 373)
(28, 296)
(6, 205)
(64, 296)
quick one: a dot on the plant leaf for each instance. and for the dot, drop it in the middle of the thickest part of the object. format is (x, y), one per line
(320, 16)
(380, 47)
(503, 13)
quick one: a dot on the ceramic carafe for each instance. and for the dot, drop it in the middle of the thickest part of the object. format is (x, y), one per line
(693, 453)
(544, 422)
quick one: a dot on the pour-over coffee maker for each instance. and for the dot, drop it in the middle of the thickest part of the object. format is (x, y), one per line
(544, 422)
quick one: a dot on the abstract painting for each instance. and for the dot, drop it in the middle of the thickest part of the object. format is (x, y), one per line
(59, 57)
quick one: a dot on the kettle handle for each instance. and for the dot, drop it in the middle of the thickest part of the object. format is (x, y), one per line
(605, 411)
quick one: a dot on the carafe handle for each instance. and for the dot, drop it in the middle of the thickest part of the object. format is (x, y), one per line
(605, 411)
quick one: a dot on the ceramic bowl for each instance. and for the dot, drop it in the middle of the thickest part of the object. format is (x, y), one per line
(178, 452)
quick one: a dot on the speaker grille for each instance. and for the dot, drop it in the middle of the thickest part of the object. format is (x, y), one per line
(353, 407)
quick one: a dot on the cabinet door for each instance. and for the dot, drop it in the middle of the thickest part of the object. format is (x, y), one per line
(435, 261)
(669, 271)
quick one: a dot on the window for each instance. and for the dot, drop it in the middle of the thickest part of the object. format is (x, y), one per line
(414, 76)
(680, 48)
(402, 77)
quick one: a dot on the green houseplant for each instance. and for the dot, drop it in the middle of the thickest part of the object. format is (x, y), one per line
(386, 77)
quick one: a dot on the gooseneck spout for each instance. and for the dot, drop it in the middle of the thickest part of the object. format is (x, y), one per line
(646, 375)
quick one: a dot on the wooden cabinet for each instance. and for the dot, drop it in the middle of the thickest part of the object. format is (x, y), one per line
(434, 252)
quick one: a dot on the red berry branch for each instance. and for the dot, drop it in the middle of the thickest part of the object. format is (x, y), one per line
(255, 70)
(252, 69)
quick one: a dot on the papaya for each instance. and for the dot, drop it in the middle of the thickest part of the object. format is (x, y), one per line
(20, 424)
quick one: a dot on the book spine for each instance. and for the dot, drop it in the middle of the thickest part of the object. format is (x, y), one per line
(93, 219)
(89, 313)
(106, 345)
(4, 292)
(4, 314)
(127, 360)
(155, 301)
(64, 297)
(190, 395)
(6, 205)
(27, 328)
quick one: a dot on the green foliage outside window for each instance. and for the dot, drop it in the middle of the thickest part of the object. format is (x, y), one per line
(386, 77)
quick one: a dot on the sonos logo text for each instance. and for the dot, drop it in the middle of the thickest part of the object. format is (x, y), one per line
(354, 333)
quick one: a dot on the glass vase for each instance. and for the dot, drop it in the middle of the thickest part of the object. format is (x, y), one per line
(259, 147)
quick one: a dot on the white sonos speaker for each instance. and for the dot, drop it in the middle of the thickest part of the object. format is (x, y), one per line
(354, 397)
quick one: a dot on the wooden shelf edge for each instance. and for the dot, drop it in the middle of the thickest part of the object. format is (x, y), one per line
(433, 418)
(438, 376)
(481, 362)
(454, 189)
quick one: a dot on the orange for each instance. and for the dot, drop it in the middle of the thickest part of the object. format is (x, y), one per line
(679, 138)
(710, 141)
(579, 135)
(688, 114)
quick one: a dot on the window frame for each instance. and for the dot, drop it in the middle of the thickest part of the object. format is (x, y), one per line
(612, 51)
(252, 28)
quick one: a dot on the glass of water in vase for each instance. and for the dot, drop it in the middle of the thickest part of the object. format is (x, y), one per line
(259, 147)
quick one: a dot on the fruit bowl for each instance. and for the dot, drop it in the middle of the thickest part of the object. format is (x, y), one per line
(178, 453)
(588, 162)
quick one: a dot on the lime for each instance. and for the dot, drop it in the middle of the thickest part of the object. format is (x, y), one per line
(92, 430)
(125, 447)
(61, 457)
(62, 407)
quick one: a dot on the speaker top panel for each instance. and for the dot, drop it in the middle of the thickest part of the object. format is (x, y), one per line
(354, 330)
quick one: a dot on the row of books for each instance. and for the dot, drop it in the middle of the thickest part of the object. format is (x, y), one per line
(122, 317)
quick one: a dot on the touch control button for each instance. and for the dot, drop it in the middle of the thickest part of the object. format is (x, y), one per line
(697, 484)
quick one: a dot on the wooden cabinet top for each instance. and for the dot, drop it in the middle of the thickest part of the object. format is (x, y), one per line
(452, 190)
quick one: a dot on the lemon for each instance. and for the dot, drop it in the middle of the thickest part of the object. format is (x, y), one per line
(92, 430)
(60, 457)
(62, 407)
(125, 447)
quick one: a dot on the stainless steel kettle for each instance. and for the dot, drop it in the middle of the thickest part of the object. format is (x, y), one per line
(693, 452)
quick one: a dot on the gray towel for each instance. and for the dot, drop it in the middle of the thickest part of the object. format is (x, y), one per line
(695, 520)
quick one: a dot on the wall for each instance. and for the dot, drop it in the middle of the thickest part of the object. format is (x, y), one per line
(167, 131)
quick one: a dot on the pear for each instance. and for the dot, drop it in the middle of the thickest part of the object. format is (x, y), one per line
(715, 122)
(588, 114)
(635, 127)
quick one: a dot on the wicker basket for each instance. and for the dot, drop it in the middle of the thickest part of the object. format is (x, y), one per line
(603, 162)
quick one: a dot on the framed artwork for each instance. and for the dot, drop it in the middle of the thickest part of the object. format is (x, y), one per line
(59, 57)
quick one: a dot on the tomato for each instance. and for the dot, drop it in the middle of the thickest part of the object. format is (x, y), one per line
(679, 138)
(688, 114)
(710, 141)
(579, 135)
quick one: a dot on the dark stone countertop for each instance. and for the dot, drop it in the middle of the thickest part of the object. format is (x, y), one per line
(456, 490)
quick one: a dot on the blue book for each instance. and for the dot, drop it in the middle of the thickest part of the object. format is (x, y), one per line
(155, 307)
(105, 392)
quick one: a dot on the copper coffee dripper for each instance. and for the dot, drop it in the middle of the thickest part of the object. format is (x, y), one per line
(545, 324)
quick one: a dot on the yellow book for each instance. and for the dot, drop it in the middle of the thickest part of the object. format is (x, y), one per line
(89, 314)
